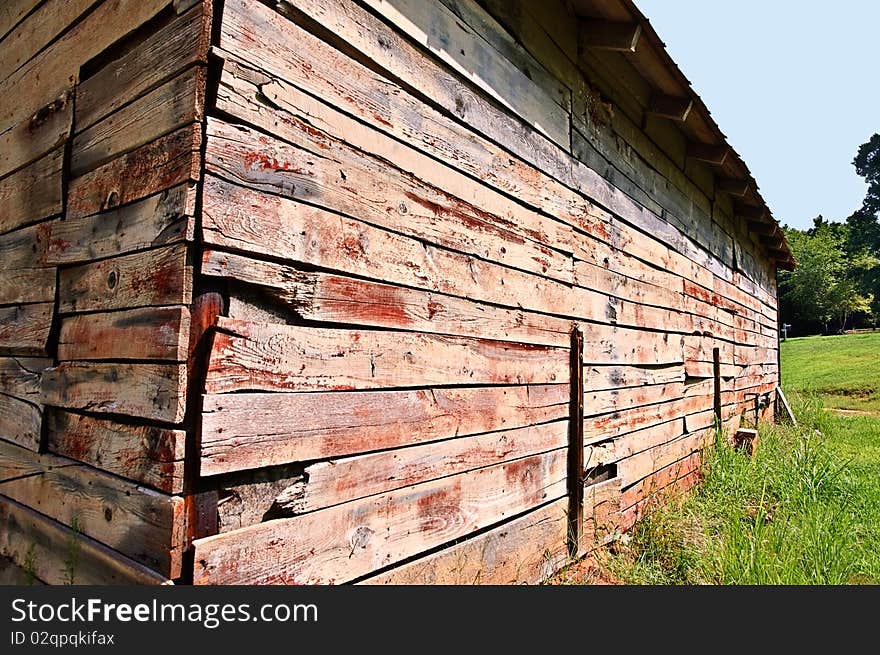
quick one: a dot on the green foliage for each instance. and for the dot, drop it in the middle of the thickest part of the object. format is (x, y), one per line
(838, 277)
(867, 163)
(824, 288)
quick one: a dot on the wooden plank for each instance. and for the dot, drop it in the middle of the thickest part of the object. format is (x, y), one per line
(342, 180)
(154, 391)
(602, 519)
(298, 103)
(254, 97)
(599, 378)
(32, 193)
(20, 422)
(637, 467)
(336, 481)
(20, 376)
(156, 333)
(363, 32)
(161, 111)
(526, 550)
(47, 129)
(27, 285)
(248, 356)
(146, 454)
(637, 441)
(40, 28)
(457, 45)
(273, 51)
(241, 431)
(24, 329)
(780, 395)
(314, 236)
(160, 219)
(329, 298)
(607, 426)
(12, 11)
(612, 400)
(139, 522)
(620, 36)
(575, 479)
(507, 44)
(56, 67)
(345, 542)
(23, 276)
(58, 555)
(162, 55)
(156, 166)
(153, 277)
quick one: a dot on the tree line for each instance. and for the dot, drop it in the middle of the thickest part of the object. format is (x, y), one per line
(836, 284)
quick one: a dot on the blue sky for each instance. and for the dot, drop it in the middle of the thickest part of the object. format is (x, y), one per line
(795, 86)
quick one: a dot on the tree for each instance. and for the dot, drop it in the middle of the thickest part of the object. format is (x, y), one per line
(824, 286)
(867, 163)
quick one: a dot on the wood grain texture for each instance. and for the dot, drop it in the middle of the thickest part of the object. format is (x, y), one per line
(161, 219)
(153, 391)
(139, 522)
(41, 27)
(58, 555)
(149, 333)
(334, 176)
(56, 67)
(20, 376)
(151, 278)
(330, 298)
(249, 356)
(32, 193)
(523, 551)
(177, 103)
(241, 431)
(164, 163)
(340, 480)
(260, 99)
(178, 45)
(350, 540)
(456, 44)
(20, 422)
(24, 329)
(364, 33)
(24, 277)
(146, 454)
(39, 134)
(12, 11)
(315, 236)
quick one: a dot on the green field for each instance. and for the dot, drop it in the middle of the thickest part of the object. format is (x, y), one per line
(844, 370)
(804, 510)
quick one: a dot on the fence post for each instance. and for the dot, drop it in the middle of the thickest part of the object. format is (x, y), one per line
(576, 445)
(716, 373)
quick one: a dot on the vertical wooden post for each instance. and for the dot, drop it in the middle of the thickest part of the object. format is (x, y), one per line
(716, 373)
(576, 445)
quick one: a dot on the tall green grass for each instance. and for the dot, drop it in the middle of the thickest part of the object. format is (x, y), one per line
(804, 510)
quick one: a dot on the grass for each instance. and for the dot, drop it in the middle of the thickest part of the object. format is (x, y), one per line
(844, 370)
(804, 510)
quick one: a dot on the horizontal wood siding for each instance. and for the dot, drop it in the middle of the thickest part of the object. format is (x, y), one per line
(411, 212)
(100, 135)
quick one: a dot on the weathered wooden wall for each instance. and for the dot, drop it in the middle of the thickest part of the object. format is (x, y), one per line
(412, 204)
(100, 134)
(288, 290)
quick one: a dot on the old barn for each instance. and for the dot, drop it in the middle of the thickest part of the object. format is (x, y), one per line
(376, 291)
